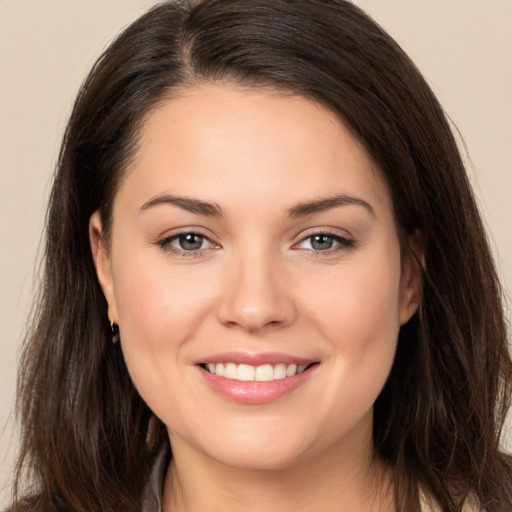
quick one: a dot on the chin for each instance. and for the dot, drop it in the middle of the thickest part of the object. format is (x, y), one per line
(254, 448)
(256, 458)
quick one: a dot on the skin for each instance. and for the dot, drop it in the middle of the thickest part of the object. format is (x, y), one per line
(258, 284)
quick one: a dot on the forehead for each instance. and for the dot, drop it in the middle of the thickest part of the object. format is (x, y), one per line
(227, 141)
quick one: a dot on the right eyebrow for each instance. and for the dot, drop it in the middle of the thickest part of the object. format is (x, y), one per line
(310, 208)
(185, 203)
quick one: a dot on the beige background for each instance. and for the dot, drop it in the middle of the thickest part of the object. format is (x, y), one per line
(463, 47)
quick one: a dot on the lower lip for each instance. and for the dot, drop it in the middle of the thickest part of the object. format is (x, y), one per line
(255, 392)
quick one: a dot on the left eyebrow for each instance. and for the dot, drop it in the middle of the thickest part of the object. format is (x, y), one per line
(185, 203)
(321, 205)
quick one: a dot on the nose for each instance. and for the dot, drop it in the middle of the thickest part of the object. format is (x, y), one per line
(256, 295)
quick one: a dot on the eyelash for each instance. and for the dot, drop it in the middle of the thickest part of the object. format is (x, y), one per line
(343, 243)
(166, 244)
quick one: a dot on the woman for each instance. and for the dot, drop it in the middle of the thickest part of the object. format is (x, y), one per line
(267, 282)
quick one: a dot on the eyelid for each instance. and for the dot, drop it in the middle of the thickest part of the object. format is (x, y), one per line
(184, 230)
(344, 241)
(324, 230)
(164, 241)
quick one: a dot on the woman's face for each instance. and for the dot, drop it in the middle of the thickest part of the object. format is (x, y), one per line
(253, 237)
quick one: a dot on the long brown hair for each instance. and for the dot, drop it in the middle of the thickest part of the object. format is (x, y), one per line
(88, 439)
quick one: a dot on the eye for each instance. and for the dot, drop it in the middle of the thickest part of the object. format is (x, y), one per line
(189, 241)
(323, 242)
(186, 243)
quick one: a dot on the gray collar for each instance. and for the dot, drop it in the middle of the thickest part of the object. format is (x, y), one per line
(152, 501)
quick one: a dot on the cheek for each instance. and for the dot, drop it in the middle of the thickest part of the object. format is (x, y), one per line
(160, 310)
(359, 316)
(357, 305)
(154, 298)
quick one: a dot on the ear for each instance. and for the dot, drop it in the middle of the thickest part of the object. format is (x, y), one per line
(102, 263)
(411, 289)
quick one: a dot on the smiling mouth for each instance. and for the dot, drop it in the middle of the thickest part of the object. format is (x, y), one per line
(249, 373)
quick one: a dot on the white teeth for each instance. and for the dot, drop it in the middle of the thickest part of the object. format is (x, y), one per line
(245, 372)
(230, 371)
(291, 370)
(263, 373)
(279, 371)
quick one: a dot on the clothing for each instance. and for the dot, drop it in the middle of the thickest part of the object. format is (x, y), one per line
(153, 493)
(152, 501)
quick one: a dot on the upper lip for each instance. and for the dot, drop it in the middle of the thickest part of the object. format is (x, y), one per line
(238, 357)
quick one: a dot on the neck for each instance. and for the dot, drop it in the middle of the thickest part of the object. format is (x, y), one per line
(343, 480)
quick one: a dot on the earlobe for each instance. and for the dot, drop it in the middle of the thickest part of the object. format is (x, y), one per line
(411, 284)
(102, 264)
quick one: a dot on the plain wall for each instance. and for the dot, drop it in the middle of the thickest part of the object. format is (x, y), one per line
(463, 47)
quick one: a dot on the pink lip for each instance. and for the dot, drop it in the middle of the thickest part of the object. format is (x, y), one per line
(238, 357)
(254, 392)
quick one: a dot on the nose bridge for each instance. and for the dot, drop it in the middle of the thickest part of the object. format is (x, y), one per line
(255, 292)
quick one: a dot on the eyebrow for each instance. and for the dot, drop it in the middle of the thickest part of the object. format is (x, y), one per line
(207, 209)
(185, 203)
(321, 205)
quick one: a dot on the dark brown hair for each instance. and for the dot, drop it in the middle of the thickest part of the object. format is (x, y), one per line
(88, 439)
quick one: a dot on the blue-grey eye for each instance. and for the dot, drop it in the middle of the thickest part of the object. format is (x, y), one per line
(189, 241)
(321, 242)
(324, 242)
